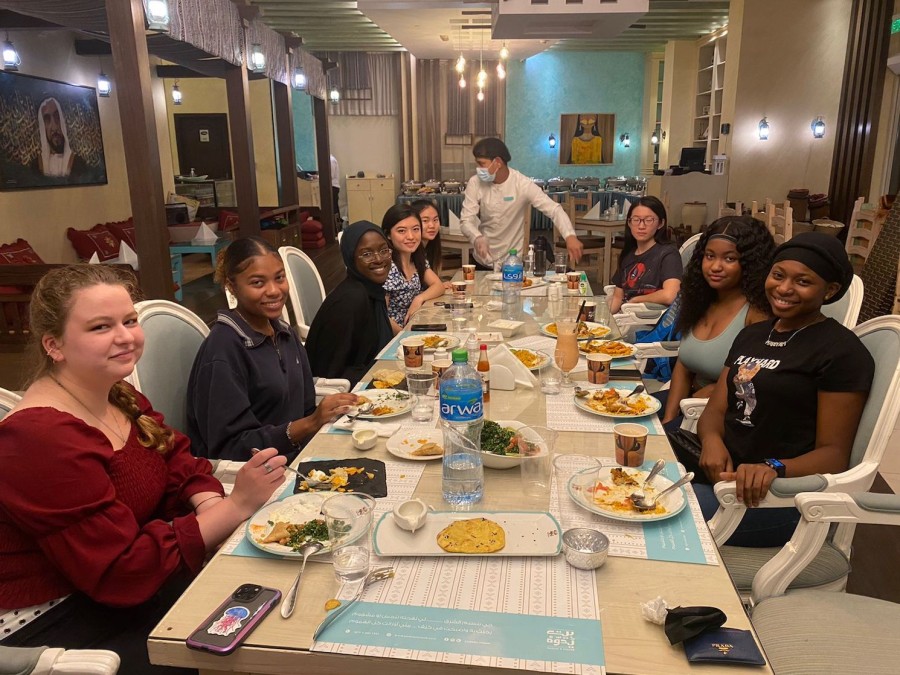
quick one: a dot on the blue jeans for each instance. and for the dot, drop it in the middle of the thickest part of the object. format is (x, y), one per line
(759, 527)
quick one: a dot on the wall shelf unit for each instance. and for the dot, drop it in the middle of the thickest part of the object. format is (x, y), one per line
(710, 87)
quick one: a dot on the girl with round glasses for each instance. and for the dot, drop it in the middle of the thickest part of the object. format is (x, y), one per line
(649, 268)
(352, 325)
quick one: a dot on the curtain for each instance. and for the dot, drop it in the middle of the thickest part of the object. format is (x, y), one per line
(312, 68)
(458, 103)
(488, 112)
(213, 26)
(428, 106)
(369, 83)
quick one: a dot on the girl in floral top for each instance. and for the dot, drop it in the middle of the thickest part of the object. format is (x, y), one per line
(411, 281)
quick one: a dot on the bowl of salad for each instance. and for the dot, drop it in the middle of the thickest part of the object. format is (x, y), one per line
(499, 449)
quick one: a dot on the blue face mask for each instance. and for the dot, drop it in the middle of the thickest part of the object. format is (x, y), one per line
(484, 175)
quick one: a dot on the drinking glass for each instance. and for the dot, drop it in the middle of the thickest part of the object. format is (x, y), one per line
(550, 376)
(420, 385)
(349, 520)
(535, 448)
(566, 355)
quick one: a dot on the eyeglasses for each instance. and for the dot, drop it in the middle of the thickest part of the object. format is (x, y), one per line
(367, 256)
(646, 220)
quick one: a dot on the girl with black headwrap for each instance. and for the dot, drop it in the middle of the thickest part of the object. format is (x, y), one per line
(791, 395)
(352, 325)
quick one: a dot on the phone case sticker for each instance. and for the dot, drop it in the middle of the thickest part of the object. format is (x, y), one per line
(230, 622)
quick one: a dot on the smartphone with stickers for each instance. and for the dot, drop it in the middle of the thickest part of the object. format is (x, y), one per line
(234, 619)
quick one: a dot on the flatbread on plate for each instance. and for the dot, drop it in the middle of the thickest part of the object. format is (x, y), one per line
(475, 535)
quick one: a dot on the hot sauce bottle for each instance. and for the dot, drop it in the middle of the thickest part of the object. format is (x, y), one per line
(484, 369)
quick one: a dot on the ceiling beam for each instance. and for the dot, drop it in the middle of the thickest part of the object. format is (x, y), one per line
(9, 20)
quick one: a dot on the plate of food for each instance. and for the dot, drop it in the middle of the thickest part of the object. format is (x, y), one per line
(587, 330)
(615, 348)
(385, 403)
(530, 359)
(617, 403)
(386, 378)
(360, 475)
(527, 282)
(435, 340)
(498, 447)
(607, 492)
(419, 445)
(282, 527)
(451, 533)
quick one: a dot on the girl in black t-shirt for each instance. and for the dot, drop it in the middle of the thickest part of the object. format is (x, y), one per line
(649, 268)
(791, 394)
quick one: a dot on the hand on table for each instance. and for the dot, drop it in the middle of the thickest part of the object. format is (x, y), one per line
(753, 481)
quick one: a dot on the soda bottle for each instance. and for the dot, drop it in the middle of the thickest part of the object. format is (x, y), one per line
(513, 276)
(484, 369)
(462, 417)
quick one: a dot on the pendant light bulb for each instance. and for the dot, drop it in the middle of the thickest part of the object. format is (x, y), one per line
(462, 82)
(460, 63)
(480, 95)
(501, 71)
(504, 52)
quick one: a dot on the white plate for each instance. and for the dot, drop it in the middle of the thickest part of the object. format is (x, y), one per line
(399, 400)
(653, 405)
(583, 348)
(403, 443)
(579, 490)
(529, 534)
(452, 341)
(590, 324)
(536, 282)
(494, 276)
(543, 359)
(492, 461)
(259, 524)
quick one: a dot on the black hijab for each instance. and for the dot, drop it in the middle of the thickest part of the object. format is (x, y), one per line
(349, 242)
(824, 254)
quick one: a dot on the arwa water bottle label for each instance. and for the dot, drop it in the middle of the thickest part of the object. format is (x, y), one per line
(462, 404)
(513, 274)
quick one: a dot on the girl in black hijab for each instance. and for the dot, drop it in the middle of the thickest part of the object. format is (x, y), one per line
(352, 325)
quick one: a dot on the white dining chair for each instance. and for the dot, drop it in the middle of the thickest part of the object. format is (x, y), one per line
(8, 400)
(305, 287)
(57, 661)
(811, 632)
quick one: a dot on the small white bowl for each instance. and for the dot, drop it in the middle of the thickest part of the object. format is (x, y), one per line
(364, 439)
(506, 327)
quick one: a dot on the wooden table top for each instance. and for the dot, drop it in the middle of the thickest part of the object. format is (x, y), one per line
(631, 644)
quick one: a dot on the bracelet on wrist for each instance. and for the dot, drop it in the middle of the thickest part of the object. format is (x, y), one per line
(287, 431)
(206, 500)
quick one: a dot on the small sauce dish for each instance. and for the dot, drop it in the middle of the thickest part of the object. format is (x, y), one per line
(411, 514)
(364, 439)
(585, 548)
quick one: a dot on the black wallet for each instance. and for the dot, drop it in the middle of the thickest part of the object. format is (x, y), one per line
(724, 645)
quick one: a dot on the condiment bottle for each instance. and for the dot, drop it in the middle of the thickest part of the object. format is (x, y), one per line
(484, 369)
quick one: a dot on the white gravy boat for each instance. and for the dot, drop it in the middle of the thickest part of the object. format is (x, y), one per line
(410, 515)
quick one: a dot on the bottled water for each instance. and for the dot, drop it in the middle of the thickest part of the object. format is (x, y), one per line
(462, 417)
(513, 276)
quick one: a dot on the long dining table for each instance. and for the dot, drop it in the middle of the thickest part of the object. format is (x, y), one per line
(629, 643)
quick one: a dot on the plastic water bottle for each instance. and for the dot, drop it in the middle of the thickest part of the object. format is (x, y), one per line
(462, 417)
(513, 276)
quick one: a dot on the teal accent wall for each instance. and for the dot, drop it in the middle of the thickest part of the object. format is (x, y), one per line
(550, 84)
(304, 131)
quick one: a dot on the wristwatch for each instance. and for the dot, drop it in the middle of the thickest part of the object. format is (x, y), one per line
(777, 465)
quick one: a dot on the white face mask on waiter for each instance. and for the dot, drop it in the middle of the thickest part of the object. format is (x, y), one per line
(484, 175)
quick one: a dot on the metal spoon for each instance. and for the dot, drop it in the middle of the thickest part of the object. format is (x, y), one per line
(364, 409)
(375, 575)
(290, 598)
(640, 493)
(637, 390)
(650, 504)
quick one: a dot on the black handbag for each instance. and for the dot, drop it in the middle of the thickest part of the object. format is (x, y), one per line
(687, 447)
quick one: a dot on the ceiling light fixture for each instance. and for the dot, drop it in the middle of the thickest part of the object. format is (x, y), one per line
(763, 129)
(504, 52)
(157, 12)
(176, 94)
(501, 71)
(481, 80)
(11, 58)
(818, 127)
(461, 61)
(480, 95)
(462, 81)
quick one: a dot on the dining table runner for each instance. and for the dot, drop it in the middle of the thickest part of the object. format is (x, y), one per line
(683, 538)
(564, 415)
(536, 614)
(402, 479)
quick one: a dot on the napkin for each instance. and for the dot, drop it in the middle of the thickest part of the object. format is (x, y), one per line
(95, 259)
(383, 429)
(594, 213)
(127, 256)
(204, 235)
(501, 356)
(625, 206)
(453, 225)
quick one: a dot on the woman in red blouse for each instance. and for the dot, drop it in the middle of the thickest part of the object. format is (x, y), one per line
(104, 513)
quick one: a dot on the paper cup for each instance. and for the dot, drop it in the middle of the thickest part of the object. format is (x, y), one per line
(459, 289)
(572, 280)
(413, 352)
(469, 272)
(598, 368)
(590, 311)
(439, 368)
(631, 442)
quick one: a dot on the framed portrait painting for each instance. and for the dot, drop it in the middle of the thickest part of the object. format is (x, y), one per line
(587, 138)
(49, 134)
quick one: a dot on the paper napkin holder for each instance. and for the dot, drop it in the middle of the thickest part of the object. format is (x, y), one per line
(501, 357)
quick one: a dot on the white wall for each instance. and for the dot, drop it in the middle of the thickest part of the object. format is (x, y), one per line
(790, 68)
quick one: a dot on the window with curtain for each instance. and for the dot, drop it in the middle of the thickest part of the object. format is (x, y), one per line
(368, 83)
(487, 112)
(458, 103)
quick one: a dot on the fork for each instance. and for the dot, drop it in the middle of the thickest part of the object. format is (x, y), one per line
(253, 451)
(375, 575)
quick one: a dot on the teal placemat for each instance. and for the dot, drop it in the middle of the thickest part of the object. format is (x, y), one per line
(491, 634)
(675, 539)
